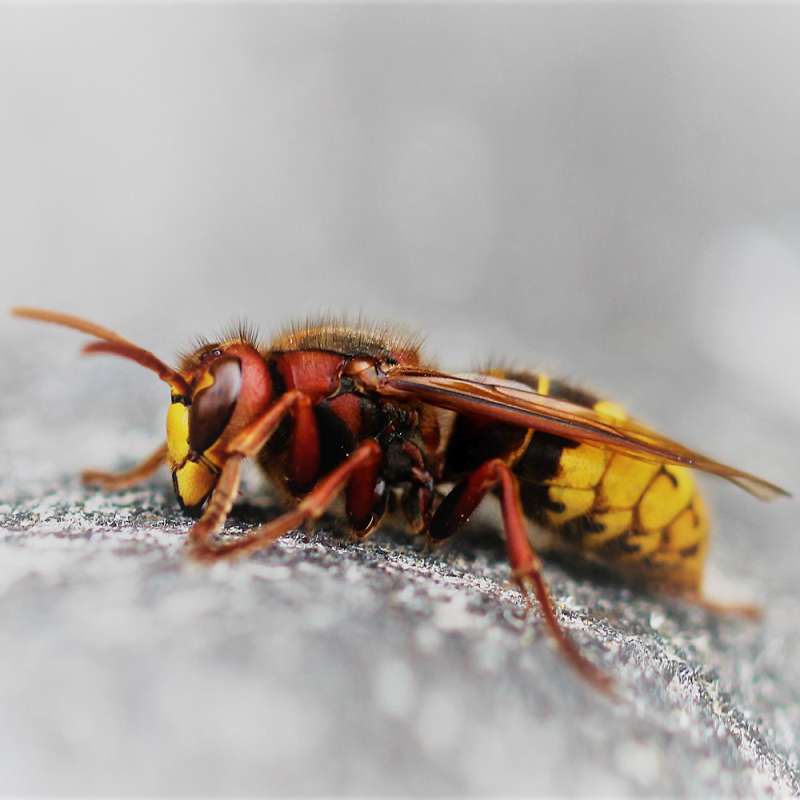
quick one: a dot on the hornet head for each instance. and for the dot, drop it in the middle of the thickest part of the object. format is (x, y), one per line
(217, 391)
(229, 385)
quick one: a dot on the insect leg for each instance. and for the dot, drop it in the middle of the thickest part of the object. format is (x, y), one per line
(123, 480)
(456, 508)
(362, 497)
(246, 444)
(249, 441)
(744, 610)
(312, 506)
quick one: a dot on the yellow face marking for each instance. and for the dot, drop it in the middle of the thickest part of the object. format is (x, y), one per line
(625, 481)
(581, 467)
(194, 481)
(178, 427)
(665, 498)
(177, 434)
(576, 503)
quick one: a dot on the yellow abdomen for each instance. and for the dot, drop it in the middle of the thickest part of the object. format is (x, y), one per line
(641, 519)
(638, 518)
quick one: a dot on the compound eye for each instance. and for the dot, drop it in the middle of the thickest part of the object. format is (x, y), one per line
(212, 407)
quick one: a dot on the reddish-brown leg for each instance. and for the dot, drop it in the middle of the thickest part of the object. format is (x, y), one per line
(246, 444)
(123, 480)
(249, 441)
(361, 499)
(312, 506)
(304, 448)
(745, 610)
(220, 504)
(456, 508)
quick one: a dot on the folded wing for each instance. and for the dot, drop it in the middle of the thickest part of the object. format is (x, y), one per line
(524, 407)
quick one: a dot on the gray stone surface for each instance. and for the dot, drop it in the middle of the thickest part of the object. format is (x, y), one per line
(608, 192)
(323, 666)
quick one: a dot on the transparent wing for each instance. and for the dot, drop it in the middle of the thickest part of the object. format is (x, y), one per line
(488, 397)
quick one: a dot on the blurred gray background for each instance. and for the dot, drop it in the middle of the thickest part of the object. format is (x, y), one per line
(610, 193)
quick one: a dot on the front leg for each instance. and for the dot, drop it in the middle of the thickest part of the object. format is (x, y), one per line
(124, 480)
(360, 465)
(246, 444)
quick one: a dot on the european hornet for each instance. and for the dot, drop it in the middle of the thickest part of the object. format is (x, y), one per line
(329, 409)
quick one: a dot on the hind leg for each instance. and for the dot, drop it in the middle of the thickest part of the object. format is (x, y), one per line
(743, 610)
(456, 508)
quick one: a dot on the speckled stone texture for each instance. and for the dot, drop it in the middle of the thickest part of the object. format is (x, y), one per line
(330, 667)
(606, 192)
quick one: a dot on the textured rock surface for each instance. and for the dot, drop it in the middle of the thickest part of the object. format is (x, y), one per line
(605, 191)
(324, 667)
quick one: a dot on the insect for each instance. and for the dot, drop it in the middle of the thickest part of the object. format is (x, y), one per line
(332, 412)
